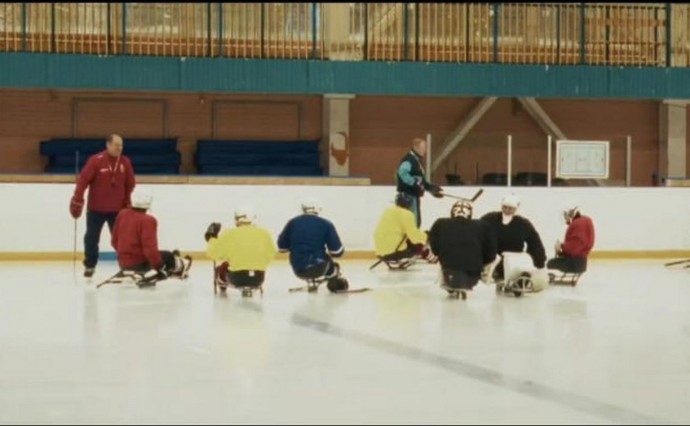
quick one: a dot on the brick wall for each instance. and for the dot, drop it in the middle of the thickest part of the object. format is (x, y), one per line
(381, 127)
(27, 117)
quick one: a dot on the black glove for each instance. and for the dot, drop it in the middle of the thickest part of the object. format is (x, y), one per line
(436, 191)
(212, 231)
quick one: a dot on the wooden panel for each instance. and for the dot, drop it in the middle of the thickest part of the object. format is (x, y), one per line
(131, 118)
(20, 155)
(256, 120)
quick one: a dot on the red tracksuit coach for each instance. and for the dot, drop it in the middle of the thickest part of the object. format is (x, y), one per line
(109, 176)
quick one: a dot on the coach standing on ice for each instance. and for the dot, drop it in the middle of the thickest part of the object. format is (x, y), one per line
(110, 179)
(411, 179)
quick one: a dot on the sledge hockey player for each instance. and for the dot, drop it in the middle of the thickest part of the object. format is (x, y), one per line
(571, 255)
(242, 253)
(513, 232)
(135, 239)
(312, 241)
(397, 238)
(464, 247)
(411, 180)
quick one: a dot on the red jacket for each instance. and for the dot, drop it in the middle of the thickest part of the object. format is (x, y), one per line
(579, 238)
(110, 181)
(135, 239)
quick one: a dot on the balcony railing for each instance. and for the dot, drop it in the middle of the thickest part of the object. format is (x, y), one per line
(625, 34)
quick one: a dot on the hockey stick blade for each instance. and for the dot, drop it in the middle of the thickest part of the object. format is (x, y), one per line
(355, 290)
(111, 280)
(677, 262)
(477, 195)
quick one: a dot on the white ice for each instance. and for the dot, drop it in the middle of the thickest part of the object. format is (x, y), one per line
(614, 349)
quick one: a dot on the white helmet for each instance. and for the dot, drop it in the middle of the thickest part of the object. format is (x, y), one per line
(570, 210)
(311, 206)
(244, 214)
(510, 200)
(141, 200)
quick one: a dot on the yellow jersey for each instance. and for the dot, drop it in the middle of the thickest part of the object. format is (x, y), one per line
(245, 248)
(395, 225)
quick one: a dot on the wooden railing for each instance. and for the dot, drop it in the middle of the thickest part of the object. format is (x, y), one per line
(626, 34)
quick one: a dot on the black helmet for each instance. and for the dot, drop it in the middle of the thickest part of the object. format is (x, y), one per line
(404, 200)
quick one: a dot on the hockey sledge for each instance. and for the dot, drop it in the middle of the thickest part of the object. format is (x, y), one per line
(568, 276)
(129, 277)
(456, 293)
(564, 278)
(246, 292)
(519, 276)
(398, 265)
(314, 284)
(220, 286)
(140, 280)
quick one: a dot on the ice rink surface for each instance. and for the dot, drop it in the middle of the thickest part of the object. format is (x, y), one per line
(615, 349)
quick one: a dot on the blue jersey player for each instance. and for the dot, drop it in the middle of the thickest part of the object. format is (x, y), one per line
(312, 242)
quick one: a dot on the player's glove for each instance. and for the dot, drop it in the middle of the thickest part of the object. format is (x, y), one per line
(436, 191)
(212, 231)
(76, 206)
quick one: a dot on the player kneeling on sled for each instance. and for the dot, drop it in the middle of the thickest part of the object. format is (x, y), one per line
(242, 253)
(397, 238)
(135, 239)
(463, 246)
(571, 255)
(307, 237)
(513, 233)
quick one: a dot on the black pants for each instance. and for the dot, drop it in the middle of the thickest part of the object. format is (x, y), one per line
(575, 265)
(246, 278)
(327, 269)
(498, 271)
(463, 280)
(94, 226)
(168, 263)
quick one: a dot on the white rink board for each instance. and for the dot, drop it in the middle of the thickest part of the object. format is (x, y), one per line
(35, 217)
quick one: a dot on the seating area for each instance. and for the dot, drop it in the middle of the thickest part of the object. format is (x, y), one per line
(258, 158)
(149, 156)
(213, 157)
(521, 179)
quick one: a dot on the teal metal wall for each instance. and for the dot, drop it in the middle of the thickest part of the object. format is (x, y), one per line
(64, 71)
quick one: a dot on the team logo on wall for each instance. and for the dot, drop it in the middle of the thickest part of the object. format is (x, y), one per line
(340, 147)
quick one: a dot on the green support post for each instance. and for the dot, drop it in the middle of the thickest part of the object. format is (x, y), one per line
(108, 29)
(416, 31)
(313, 30)
(582, 33)
(53, 43)
(406, 31)
(366, 31)
(558, 33)
(607, 34)
(495, 31)
(124, 29)
(263, 26)
(209, 51)
(24, 25)
(221, 45)
(669, 23)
